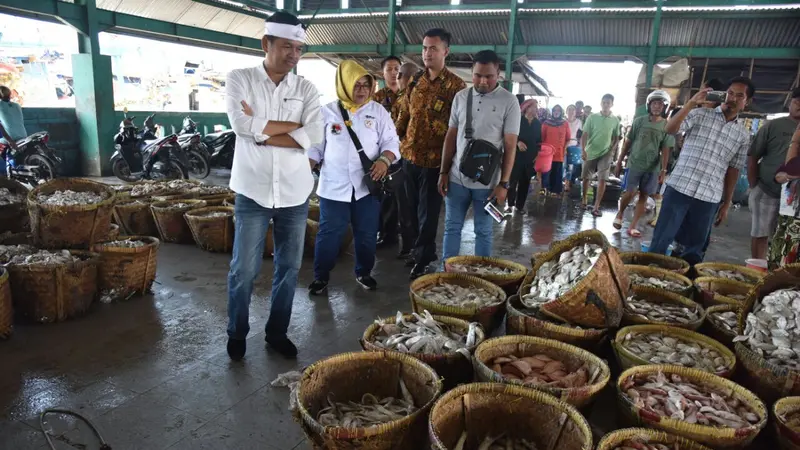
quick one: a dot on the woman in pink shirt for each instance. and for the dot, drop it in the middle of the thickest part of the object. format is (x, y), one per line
(556, 132)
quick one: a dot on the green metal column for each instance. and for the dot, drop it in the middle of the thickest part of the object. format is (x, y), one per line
(94, 98)
(651, 55)
(512, 33)
(392, 26)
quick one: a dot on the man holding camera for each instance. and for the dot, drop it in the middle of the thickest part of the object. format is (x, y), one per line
(714, 152)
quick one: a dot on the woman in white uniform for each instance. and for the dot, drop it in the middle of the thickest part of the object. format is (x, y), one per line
(344, 196)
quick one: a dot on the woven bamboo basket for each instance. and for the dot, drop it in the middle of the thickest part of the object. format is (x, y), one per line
(214, 234)
(656, 295)
(628, 359)
(596, 300)
(79, 226)
(509, 282)
(230, 201)
(788, 436)
(217, 199)
(129, 270)
(454, 368)
(769, 381)
(664, 274)
(714, 437)
(492, 409)
(313, 211)
(488, 316)
(753, 276)
(178, 196)
(654, 259)
(572, 357)
(113, 233)
(714, 330)
(615, 439)
(312, 229)
(714, 291)
(54, 292)
(14, 217)
(520, 320)
(134, 218)
(172, 226)
(7, 307)
(377, 373)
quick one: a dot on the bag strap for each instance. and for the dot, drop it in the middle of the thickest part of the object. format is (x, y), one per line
(468, 130)
(366, 163)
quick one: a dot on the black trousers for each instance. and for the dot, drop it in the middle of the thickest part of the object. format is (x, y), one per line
(423, 197)
(395, 211)
(520, 182)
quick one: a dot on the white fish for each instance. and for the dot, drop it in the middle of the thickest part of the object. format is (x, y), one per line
(71, 198)
(771, 329)
(555, 278)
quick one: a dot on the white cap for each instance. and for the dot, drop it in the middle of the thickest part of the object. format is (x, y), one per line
(285, 31)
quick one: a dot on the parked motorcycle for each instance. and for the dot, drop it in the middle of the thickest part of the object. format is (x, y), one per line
(199, 156)
(33, 162)
(222, 146)
(136, 157)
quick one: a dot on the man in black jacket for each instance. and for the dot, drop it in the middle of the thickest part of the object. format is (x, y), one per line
(530, 139)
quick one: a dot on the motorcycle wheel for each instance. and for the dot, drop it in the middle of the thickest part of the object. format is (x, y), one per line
(200, 167)
(122, 170)
(46, 170)
(176, 170)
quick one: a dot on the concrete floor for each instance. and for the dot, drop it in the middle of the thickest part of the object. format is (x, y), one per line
(153, 373)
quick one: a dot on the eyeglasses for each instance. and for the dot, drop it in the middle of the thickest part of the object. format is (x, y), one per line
(362, 86)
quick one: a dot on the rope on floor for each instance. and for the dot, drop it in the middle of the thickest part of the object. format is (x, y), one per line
(103, 444)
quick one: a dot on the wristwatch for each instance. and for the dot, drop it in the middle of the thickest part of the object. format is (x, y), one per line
(505, 185)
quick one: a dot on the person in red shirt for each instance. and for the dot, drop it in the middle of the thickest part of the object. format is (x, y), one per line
(555, 131)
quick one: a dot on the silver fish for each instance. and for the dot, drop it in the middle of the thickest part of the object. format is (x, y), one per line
(450, 294)
(213, 214)
(126, 243)
(423, 335)
(10, 198)
(729, 274)
(663, 283)
(369, 412)
(22, 255)
(480, 269)
(661, 312)
(773, 328)
(70, 198)
(660, 349)
(555, 278)
(501, 442)
(726, 320)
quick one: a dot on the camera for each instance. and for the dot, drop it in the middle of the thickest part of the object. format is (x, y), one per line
(717, 96)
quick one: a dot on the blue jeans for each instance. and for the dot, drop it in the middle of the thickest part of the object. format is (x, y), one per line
(553, 180)
(364, 215)
(251, 226)
(457, 202)
(686, 218)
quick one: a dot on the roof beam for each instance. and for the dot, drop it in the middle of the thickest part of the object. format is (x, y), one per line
(651, 54)
(261, 12)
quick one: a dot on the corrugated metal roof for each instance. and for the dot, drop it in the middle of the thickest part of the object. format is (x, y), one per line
(485, 32)
(587, 32)
(730, 33)
(350, 33)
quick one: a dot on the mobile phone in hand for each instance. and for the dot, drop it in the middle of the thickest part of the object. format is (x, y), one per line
(717, 96)
(493, 211)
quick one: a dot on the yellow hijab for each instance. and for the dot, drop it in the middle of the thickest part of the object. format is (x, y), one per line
(347, 74)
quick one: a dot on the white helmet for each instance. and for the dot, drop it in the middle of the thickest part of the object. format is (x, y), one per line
(658, 94)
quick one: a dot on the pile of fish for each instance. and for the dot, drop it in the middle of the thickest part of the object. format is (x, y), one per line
(661, 312)
(154, 188)
(70, 198)
(8, 252)
(449, 294)
(555, 278)
(23, 255)
(213, 214)
(773, 328)
(670, 396)
(791, 420)
(643, 444)
(662, 283)
(541, 369)
(501, 442)
(121, 187)
(178, 205)
(659, 349)
(725, 320)
(480, 269)
(729, 274)
(126, 243)
(370, 411)
(209, 189)
(10, 198)
(423, 335)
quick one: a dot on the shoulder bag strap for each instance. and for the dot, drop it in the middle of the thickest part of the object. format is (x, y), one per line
(468, 130)
(366, 163)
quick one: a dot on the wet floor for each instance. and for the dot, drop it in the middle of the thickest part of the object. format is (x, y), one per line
(152, 373)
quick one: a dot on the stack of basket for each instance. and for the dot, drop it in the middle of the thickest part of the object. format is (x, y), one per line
(13, 206)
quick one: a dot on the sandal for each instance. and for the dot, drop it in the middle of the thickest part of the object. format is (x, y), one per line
(618, 223)
(597, 213)
(634, 233)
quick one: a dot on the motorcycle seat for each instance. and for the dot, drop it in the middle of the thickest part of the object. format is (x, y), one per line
(33, 137)
(213, 137)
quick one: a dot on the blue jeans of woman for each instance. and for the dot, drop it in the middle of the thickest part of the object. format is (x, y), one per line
(334, 217)
(687, 219)
(553, 181)
(251, 226)
(457, 203)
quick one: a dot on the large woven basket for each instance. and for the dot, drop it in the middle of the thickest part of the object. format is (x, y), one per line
(714, 291)
(509, 282)
(54, 292)
(128, 270)
(454, 368)
(214, 234)
(492, 409)
(14, 217)
(488, 316)
(788, 437)
(628, 359)
(217, 199)
(347, 377)
(79, 226)
(596, 300)
(712, 329)
(654, 259)
(688, 289)
(753, 276)
(656, 295)
(171, 224)
(615, 439)
(135, 218)
(572, 357)
(520, 320)
(7, 307)
(178, 196)
(714, 437)
(313, 211)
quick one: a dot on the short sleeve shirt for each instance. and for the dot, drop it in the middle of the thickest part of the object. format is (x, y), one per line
(647, 140)
(770, 147)
(11, 118)
(601, 130)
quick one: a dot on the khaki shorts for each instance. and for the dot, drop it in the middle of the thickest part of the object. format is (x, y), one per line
(764, 211)
(600, 166)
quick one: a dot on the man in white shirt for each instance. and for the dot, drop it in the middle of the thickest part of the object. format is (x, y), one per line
(276, 117)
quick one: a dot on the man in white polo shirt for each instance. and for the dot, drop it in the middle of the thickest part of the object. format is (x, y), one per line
(276, 117)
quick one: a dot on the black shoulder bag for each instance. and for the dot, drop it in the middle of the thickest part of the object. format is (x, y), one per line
(481, 158)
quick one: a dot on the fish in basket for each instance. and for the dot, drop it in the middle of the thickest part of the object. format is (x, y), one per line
(656, 260)
(531, 322)
(459, 295)
(661, 279)
(729, 271)
(502, 272)
(721, 291)
(646, 439)
(786, 412)
(649, 305)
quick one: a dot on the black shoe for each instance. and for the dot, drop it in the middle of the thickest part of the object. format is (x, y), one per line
(236, 348)
(317, 287)
(404, 254)
(282, 345)
(410, 262)
(418, 271)
(367, 282)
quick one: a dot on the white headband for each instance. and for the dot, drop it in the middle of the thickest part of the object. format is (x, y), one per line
(285, 31)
